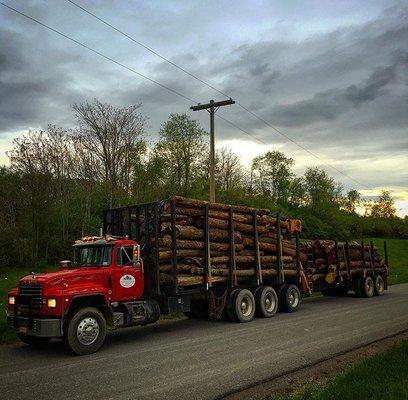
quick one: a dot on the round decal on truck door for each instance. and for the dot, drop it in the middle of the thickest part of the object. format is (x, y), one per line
(127, 281)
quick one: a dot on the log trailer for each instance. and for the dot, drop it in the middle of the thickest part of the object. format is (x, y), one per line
(116, 280)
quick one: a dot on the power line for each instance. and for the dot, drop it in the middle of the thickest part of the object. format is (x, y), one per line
(163, 85)
(98, 52)
(218, 91)
(146, 47)
(120, 64)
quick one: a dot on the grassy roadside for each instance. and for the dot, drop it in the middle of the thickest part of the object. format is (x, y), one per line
(380, 377)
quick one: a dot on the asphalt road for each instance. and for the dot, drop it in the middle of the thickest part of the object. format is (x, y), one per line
(188, 359)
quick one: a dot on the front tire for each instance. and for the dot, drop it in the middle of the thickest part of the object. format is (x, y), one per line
(33, 340)
(86, 331)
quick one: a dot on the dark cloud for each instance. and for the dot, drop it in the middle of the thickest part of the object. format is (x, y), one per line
(31, 91)
(331, 104)
(342, 91)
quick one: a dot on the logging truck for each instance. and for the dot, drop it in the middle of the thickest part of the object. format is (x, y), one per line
(206, 260)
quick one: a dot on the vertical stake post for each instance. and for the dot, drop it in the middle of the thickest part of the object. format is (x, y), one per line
(363, 256)
(232, 262)
(173, 245)
(348, 259)
(129, 227)
(372, 258)
(207, 261)
(156, 241)
(386, 256)
(297, 255)
(336, 251)
(281, 278)
(257, 256)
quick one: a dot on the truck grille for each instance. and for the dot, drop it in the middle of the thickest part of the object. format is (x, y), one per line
(30, 294)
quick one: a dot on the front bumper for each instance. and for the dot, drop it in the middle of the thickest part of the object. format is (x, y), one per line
(46, 327)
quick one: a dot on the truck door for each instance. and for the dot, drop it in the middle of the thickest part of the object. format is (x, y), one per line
(127, 280)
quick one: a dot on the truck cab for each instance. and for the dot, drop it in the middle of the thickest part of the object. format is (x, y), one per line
(101, 289)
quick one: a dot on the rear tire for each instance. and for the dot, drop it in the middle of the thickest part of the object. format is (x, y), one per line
(289, 298)
(33, 340)
(228, 313)
(266, 302)
(367, 287)
(379, 286)
(243, 306)
(86, 331)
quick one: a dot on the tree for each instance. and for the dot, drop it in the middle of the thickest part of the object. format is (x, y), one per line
(228, 169)
(112, 134)
(353, 199)
(322, 190)
(181, 145)
(384, 206)
(43, 161)
(271, 174)
(297, 190)
(86, 167)
(150, 181)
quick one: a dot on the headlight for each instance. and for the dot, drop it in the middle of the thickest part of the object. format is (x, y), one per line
(52, 303)
(12, 300)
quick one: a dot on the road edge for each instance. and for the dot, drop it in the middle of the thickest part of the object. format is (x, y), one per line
(316, 371)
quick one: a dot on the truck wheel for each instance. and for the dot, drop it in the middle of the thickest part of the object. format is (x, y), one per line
(367, 287)
(266, 301)
(289, 298)
(86, 331)
(379, 286)
(33, 340)
(243, 306)
(228, 313)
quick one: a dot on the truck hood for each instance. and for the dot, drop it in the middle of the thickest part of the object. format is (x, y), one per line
(65, 276)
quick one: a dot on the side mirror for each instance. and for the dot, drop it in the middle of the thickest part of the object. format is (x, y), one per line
(64, 264)
(136, 254)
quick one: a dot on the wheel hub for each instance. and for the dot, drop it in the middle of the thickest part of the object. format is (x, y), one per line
(269, 302)
(369, 286)
(246, 307)
(88, 331)
(293, 299)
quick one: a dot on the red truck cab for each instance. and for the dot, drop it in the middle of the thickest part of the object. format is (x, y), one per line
(103, 288)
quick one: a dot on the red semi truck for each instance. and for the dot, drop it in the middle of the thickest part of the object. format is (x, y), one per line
(114, 283)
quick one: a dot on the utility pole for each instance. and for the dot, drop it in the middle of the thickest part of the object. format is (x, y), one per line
(212, 108)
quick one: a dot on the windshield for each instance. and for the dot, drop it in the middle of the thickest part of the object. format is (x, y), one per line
(92, 255)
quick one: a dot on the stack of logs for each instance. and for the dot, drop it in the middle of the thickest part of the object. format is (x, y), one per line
(190, 245)
(323, 265)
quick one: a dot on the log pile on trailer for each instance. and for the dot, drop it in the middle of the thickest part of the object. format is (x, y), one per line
(329, 260)
(242, 243)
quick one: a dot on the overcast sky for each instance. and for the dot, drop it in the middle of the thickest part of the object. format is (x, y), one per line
(332, 75)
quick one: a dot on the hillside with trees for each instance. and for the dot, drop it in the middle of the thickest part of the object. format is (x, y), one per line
(58, 182)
